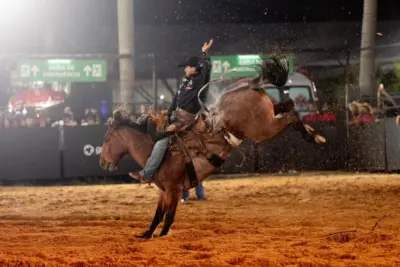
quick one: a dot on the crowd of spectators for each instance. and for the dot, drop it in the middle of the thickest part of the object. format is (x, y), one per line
(33, 119)
(359, 113)
(362, 113)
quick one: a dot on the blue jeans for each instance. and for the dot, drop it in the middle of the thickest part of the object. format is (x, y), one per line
(156, 157)
(199, 192)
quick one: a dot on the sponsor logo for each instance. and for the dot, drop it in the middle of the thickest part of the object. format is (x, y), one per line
(89, 150)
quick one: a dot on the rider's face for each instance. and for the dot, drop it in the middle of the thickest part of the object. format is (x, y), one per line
(189, 71)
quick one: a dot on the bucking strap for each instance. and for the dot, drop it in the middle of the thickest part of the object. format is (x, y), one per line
(192, 174)
(216, 160)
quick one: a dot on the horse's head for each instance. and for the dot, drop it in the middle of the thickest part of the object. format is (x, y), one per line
(125, 136)
(114, 146)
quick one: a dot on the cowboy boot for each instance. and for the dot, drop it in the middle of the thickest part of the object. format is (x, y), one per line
(138, 177)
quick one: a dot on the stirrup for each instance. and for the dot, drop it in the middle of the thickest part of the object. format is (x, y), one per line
(140, 178)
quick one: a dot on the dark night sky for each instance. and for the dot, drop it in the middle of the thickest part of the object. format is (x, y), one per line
(172, 27)
(256, 11)
(75, 26)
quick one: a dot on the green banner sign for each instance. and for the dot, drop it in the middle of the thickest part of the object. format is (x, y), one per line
(243, 65)
(62, 70)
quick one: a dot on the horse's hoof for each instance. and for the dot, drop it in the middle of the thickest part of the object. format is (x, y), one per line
(145, 236)
(320, 139)
(309, 129)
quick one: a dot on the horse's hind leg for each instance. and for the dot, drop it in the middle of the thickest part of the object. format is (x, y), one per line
(158, 217)
(172, 199)
(307, 131)
(276, 127)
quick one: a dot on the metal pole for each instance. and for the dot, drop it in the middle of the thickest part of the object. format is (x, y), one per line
(346, 100)
(367, 54)
(154, 78)
(384, 132)
(126, 51)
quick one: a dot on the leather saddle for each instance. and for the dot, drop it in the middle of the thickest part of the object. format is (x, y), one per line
(182, 121)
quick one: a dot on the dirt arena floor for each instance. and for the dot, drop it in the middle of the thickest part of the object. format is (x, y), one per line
(263, 221)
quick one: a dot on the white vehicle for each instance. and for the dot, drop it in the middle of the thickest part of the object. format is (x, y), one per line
(299, 88)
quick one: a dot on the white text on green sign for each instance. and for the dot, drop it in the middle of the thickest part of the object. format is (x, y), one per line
(63, 70)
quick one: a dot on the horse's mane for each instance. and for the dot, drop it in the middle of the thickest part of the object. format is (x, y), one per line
(120, 117)
(159, 118)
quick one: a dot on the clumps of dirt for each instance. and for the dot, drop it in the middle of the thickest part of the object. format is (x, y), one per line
(119, 249)
(342, 237)
(78, 264)
(195, 247)
(202, 256)
(238, 260)
(224, 231)
(372, 238)
(22, 263)
(299, 244)
(347, 257)
(311, 264)
(358, 237)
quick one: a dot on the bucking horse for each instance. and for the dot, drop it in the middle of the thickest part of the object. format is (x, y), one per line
(243, 111)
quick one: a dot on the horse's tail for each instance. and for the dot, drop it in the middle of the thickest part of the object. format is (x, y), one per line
(274, 70)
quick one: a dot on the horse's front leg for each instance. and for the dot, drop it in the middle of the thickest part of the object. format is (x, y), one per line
(172, 198)
(158, 217)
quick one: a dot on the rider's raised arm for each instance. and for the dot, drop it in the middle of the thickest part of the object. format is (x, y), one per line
(206, 62)
(205, 67)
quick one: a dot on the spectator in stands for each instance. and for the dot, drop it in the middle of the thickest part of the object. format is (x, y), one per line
(7, 123)
(91, 117)
(69, 120)
(21, 121)
(44, 122)
(378, 114)
(353, 111)
(312, 108)
(30, 122)
(68, 110)
(325, 108)
(366, 115)
(314, 116)
(199, 193)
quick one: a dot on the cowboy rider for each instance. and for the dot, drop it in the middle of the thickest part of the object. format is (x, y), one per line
(184, 104)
